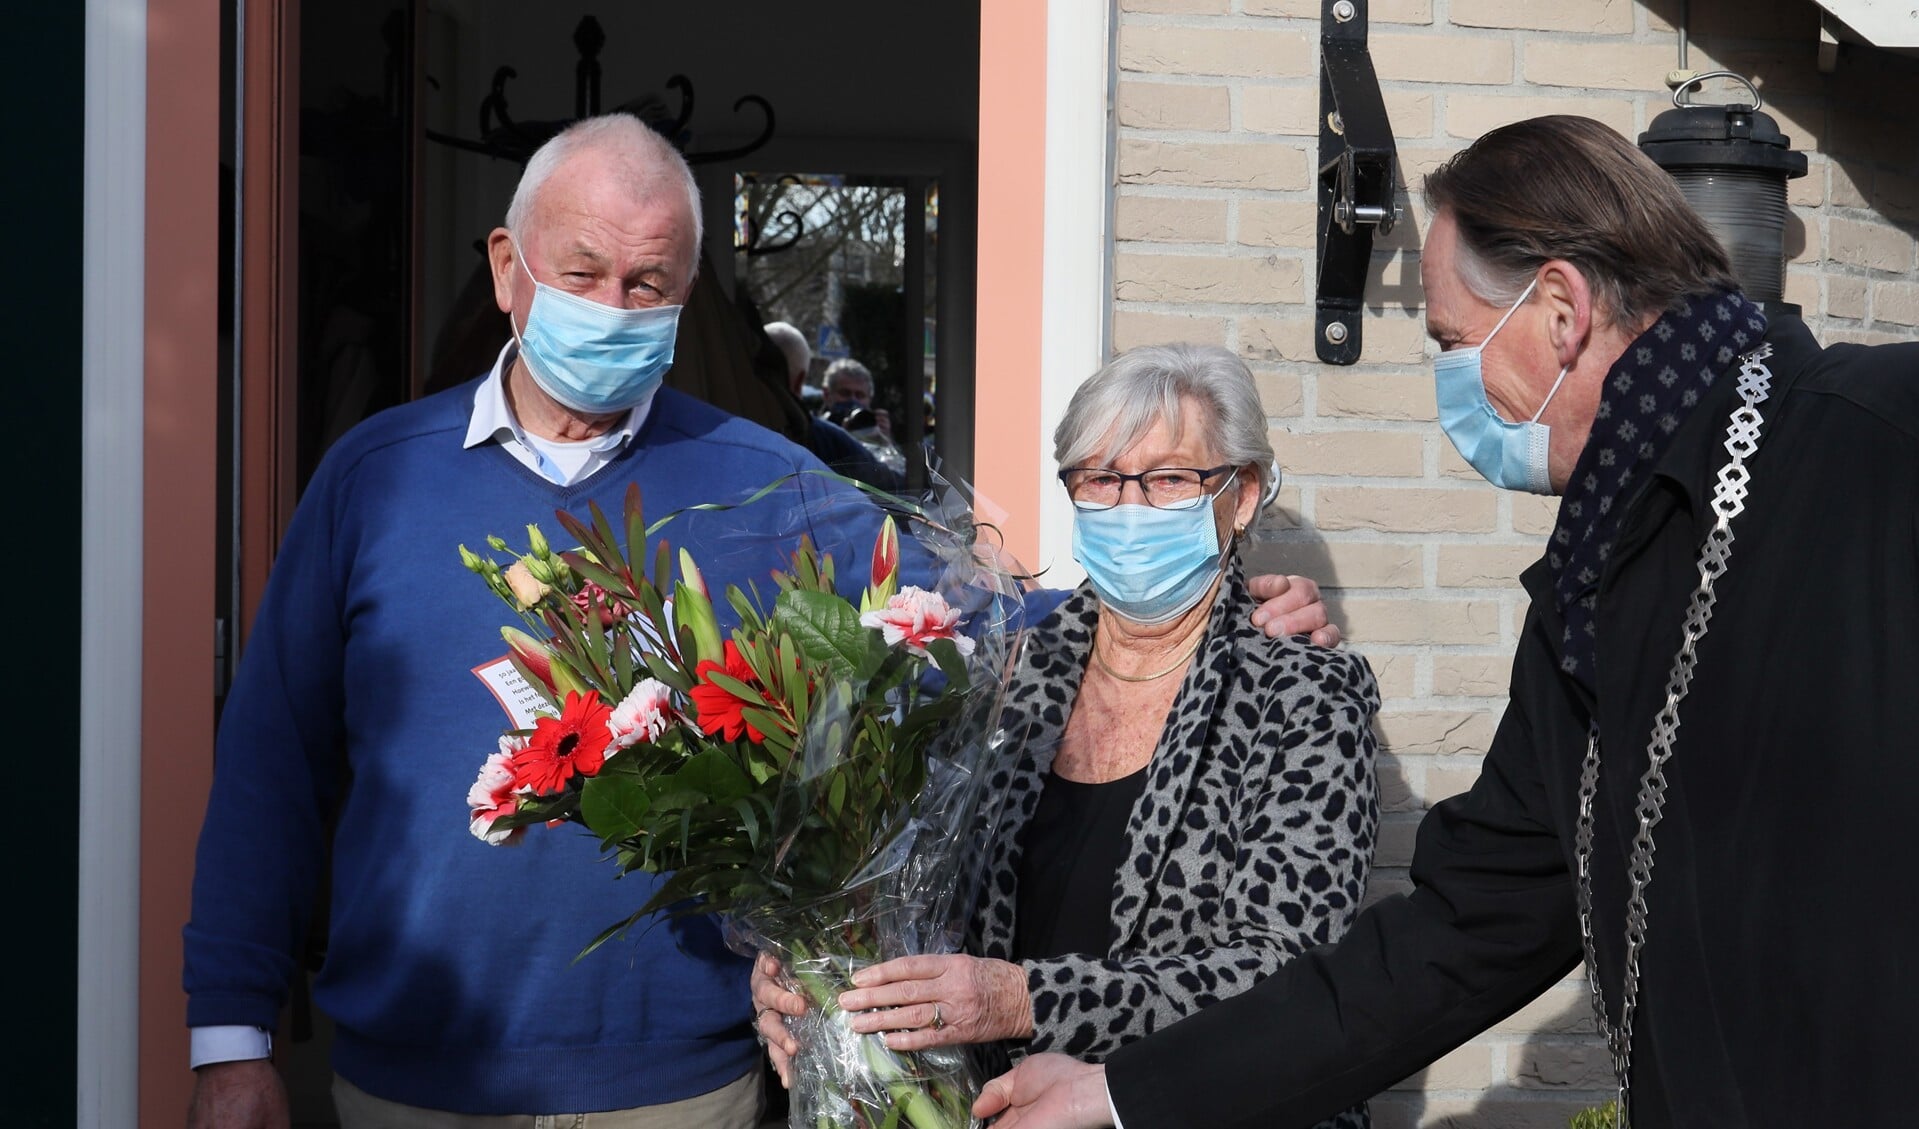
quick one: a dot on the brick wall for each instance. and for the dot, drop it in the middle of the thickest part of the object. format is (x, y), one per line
(1214, 216)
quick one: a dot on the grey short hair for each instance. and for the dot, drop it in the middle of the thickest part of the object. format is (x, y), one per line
(650, 160)
(846, 368)
(792, 343)
(1146, 385)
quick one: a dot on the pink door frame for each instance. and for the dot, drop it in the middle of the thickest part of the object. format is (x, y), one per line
(1012, 208)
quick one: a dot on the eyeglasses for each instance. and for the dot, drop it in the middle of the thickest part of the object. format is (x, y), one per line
(1165, 488)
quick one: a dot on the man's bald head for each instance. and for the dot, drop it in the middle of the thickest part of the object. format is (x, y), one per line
(620, 145)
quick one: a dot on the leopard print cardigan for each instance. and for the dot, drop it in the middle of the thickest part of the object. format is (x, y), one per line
(1250, 843)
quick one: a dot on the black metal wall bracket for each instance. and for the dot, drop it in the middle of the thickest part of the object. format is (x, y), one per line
(1356, 178)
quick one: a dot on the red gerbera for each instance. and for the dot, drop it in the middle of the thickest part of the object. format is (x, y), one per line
(574, 742)
(720, 710)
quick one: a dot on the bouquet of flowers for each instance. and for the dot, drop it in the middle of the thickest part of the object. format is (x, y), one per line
(814, 775)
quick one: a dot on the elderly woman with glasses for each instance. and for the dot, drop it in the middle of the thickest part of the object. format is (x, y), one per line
(1193, 804)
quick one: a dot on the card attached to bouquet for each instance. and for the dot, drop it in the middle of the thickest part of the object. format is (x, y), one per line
(522, 703)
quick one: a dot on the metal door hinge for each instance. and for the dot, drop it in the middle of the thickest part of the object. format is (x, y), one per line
(219, 657)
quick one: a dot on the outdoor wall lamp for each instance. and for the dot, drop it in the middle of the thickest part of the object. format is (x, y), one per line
(1732, 164)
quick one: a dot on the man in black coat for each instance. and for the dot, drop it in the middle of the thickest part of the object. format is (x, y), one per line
(1703, 778)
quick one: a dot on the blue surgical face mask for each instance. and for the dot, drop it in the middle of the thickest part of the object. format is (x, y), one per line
(1148, 564)
(1512, 456)
(591, 358)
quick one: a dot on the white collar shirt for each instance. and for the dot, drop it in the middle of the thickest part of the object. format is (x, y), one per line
(560, 463)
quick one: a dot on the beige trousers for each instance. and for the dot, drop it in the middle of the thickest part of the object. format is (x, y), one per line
(735, 1105)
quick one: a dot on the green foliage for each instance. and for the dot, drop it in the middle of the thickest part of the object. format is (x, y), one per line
(1598, 1117)
(826, 630)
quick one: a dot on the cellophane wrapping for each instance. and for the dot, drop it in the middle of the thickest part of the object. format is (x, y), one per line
(896, 879)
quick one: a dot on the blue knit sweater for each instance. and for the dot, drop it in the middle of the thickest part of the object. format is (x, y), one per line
(448, 968)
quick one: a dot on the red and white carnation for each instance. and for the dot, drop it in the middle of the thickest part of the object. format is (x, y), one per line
(644, 714)
(492, 796)
(916, 617)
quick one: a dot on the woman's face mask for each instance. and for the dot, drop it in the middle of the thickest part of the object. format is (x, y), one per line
(1147, 563)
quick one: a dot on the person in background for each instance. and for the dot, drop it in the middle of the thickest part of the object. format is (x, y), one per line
(1700, 758)
(849, 403)
(1195, 804)
(847, 382)
(833, 444)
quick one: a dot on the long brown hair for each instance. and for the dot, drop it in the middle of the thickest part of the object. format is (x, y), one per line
(1562, 187)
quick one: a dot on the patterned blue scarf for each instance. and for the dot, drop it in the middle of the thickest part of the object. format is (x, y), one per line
(1650, 391)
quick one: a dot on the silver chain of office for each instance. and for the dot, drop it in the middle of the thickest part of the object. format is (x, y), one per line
(1728, 502)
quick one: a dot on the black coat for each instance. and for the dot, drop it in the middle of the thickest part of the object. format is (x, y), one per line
(1781, 970)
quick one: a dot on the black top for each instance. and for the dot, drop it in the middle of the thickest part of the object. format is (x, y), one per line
(1776, 985)
(1072, 853)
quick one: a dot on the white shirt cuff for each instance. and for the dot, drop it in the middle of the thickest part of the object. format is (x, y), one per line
(208, 1045)
(1110, 1107)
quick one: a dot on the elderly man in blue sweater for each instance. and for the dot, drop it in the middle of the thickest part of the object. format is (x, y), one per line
(352, 728)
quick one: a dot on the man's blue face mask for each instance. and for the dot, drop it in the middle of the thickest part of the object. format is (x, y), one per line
(592, 358)
(1512, 456)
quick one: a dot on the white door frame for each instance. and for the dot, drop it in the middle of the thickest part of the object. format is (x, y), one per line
(1074, 324)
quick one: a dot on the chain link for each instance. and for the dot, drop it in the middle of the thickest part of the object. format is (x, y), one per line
(1728, 502)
